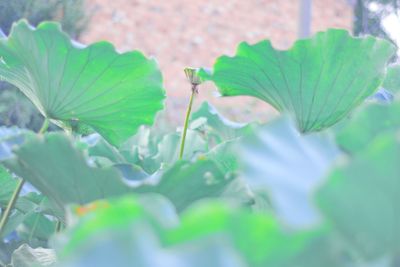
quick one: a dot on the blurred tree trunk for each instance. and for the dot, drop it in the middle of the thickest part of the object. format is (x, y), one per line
(360, 25)
(304, 19)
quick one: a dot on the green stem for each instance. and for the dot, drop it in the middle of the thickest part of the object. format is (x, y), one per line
(189, 109)
(44, 127)
(10, 205)
(58, 226)
(17, 190)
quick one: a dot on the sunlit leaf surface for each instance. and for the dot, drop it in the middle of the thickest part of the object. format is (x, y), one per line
(318, 80)
(77, 86)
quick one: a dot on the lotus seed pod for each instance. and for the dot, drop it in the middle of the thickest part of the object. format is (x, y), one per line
(191, 75)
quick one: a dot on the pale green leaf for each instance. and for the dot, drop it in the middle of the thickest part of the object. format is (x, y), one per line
(362, 195)
(25, 256)
(68, 179)
(279, 160)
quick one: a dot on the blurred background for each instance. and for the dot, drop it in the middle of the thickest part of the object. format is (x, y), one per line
(181, 33)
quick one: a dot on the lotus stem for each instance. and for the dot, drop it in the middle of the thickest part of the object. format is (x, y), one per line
(188, 111)
(11, 203)
(58, 226)
(44, 127)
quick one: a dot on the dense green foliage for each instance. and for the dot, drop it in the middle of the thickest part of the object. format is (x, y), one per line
(317, 186)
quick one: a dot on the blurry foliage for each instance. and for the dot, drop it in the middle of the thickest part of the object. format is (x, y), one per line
(369, 15)
(70, 13)
(16, 109)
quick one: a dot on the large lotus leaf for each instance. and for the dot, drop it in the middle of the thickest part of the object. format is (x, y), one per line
(318, 80)
(368, 123)
(362, 195)
(289, 166)
(57, 169)
(78, 86)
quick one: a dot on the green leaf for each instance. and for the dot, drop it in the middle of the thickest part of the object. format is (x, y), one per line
(362, 195)
(368, 123)
(318, 80)
(124, 233)
(168, 148)
(256, 236)
(105, 216)
(77, 87)
(8, 185)
(68, 179)
(25, 256)
(36, 229)
(14, 220)
(222, 127)
(289, 166)
(392, 80)
(185, 183)
(225, 157)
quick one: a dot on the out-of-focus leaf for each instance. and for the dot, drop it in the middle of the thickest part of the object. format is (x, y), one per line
(102, 216)
(289, 166)
(10, 137)
(318, 81)
(222, 127)
(225, 157)
(103, 149)
(185, 183)
(79, 87)
(361, 198)
(257, 237)
(168, 149)
(392, 80)
(211, 234)
(25, 256)
(368, 123)
(60, 172)
(131, 172)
